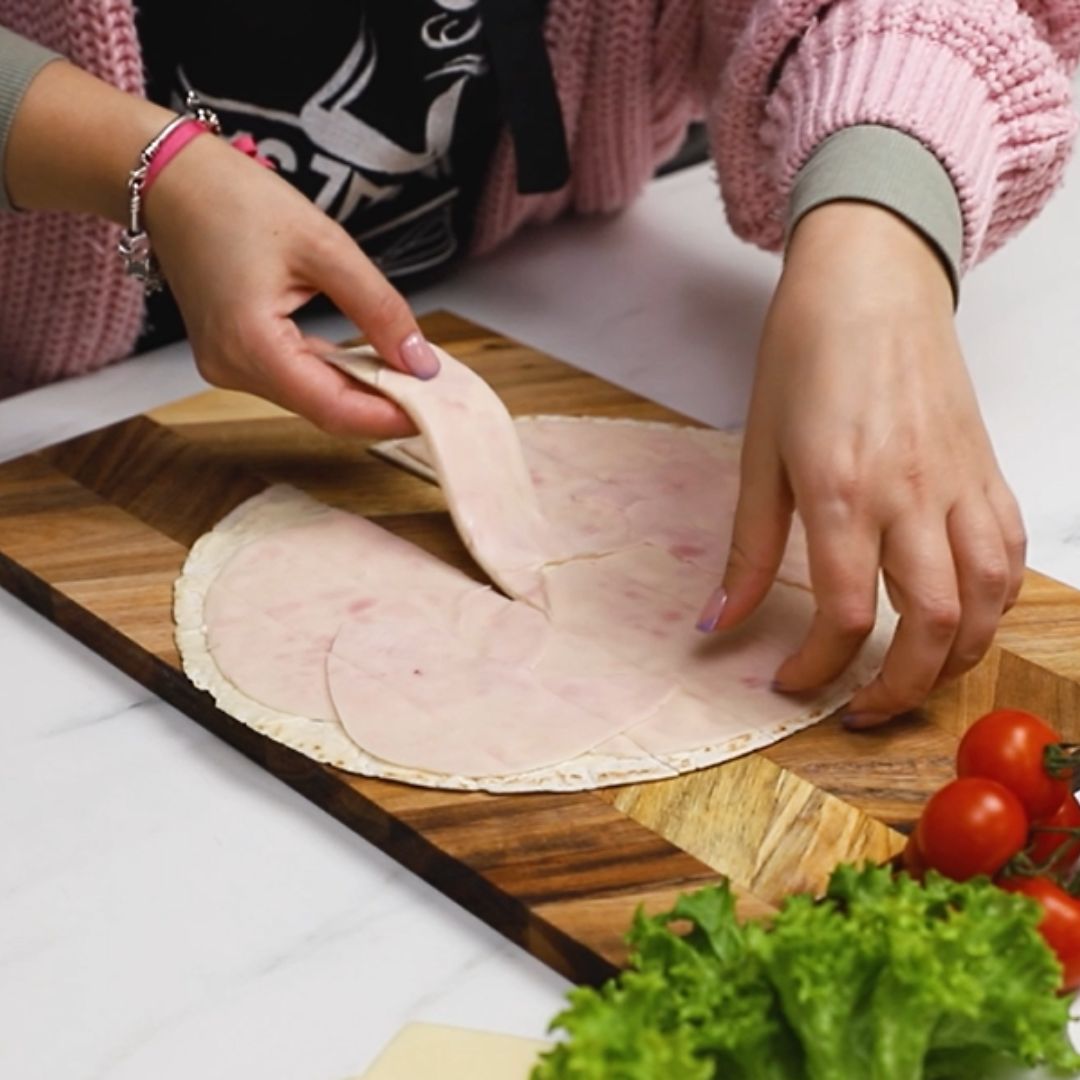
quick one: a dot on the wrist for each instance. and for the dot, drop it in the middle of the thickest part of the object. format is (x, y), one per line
(74, 141)
(134, 247)
(866, 250)
(871, 163)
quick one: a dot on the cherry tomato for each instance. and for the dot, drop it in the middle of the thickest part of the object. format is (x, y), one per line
(912, 860)
(971, 826)
(1060, 923)
(1008, 746)
(1065, 848)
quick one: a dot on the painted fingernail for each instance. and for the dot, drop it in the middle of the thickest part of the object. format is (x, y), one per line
(711, 612)
(419, 357)
(856, 721)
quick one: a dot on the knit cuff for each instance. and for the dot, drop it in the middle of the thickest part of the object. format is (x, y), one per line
(874, 164)
(20, 61)
(974, 83)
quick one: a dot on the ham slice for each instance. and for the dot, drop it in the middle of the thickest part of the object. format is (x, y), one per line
(338, 619)
(477, 457)
(418, 691)
(274, 609)
(608, 484)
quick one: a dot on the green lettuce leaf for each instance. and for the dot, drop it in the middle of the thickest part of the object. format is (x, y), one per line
(687, 1007)
(884, 978)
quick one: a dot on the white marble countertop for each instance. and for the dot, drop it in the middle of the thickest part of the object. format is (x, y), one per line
(168, 910)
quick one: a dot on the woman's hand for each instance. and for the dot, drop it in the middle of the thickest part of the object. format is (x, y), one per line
(242, 250)
(864, 419)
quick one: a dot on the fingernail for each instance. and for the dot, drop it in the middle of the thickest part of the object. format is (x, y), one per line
(856, 721)
(419, 357)
(714, 608)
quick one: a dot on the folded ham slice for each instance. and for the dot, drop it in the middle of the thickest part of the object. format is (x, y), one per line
(477, 458)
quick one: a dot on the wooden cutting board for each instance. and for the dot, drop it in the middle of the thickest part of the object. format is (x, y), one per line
(94, 531)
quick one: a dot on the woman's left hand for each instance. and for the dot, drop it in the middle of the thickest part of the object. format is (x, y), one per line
(863, 418)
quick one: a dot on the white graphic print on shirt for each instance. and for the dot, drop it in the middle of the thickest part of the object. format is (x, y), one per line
(395, 194)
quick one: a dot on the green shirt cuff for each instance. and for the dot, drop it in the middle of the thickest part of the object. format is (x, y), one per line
(20, 61)
(877, 164)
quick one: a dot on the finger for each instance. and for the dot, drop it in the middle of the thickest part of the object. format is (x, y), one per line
(360, 291)
(304, 383)
(1011, 523)
(982, 572)
(919, 562)
(844, 574)
(759, 536)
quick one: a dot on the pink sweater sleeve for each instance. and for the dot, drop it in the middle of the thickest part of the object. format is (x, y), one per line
(66, 306)
(984, 84)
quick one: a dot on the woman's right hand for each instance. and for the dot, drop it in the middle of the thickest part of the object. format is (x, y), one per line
(242, 250)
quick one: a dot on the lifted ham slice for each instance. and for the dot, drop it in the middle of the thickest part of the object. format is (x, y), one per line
(473, 445)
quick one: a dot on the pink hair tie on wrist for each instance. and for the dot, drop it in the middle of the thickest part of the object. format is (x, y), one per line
(246, 145)
(181, 135)
(176, 138)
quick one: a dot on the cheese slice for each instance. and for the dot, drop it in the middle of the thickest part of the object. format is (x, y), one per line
(450, 1053)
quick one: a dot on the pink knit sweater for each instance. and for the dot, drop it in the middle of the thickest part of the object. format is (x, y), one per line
(983, 83)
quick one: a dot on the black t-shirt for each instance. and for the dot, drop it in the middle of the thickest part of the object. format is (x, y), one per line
(384, 114)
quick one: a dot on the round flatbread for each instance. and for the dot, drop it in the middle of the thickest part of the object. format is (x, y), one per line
(622, 690)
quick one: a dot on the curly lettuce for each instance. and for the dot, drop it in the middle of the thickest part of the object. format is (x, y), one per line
(884, 978)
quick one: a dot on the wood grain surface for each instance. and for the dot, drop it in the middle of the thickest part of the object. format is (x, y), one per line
(94, 531)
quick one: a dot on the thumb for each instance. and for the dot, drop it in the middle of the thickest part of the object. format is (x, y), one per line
(759, 536)
(362, 294)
